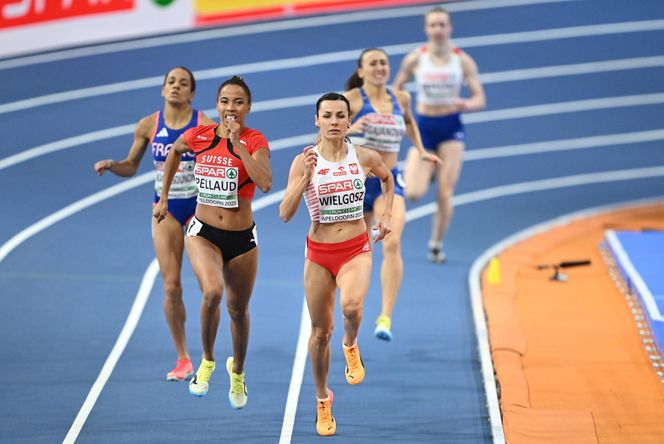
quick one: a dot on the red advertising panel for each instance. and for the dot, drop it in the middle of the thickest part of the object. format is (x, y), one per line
(24, 12)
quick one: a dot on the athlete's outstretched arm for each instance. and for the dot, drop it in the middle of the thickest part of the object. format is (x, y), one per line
(405, 71)
(128, 167)
(412, 130)
(299, 176)
(471, 76)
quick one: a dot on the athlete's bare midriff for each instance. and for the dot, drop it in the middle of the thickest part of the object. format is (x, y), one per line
(336, 232)
(232, 219)
(436, 110)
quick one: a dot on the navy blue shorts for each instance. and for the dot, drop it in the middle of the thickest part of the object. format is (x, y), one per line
(181, 209)
(373, 189)
(436, 130)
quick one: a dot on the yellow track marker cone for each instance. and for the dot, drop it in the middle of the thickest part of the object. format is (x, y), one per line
(493, 271)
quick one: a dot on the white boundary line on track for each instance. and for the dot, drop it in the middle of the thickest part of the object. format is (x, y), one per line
(480, 117)
(131, 323)
(118, 348)
(300, 355)
(463, 199)
(351, 55)
(259, 28)
(481, 329)
(634, 275)
(72, 209)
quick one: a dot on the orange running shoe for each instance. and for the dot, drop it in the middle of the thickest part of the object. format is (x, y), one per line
(183, 370)
(325, 423)
(354, 366)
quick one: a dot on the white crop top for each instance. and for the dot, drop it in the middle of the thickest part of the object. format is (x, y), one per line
(336, 191)
(436, 84)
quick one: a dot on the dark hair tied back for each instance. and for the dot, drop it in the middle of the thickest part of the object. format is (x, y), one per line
(354, 81)
(332, 96)
(239, 81)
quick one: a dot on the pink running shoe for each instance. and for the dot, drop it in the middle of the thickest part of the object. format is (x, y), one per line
(183, 370)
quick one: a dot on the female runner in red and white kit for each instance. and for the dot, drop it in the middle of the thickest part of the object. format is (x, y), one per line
(160, 130)
(231, 161)
(330, 176)
(439, 69)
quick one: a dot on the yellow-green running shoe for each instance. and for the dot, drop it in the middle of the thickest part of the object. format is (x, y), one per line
(199, 384)
(383, 326)
(237, 394)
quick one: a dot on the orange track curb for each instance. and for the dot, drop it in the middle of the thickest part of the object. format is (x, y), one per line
(568, 357)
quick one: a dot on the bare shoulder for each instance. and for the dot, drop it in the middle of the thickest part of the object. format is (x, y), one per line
(403, 97)
(355, 99)
(411, 58)
(147, 125)
(467, 62)
(367, 156)
(205, 120)
(352, 94)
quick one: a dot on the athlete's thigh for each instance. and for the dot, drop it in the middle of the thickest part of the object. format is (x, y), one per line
(417, 174)
(320, 290)
(451, 152)
(168, 240)
(353, 278)
(240, 277)
(206, 261)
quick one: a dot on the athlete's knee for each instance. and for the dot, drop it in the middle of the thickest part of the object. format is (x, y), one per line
(212, 297)
(413, 194)
(172, 289)
(237, 313)
(392, 245)
(352, 308)
(320, 336)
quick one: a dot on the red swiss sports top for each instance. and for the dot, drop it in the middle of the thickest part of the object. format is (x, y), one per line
(220, 174)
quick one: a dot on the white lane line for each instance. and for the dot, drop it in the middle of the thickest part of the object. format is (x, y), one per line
(565, 107)
(118, 348)
(564, 145)
(288, 142)
(481, 327)
(134, 317)
(259, 28)
(635, 277)
(137, 307)
(71, 209)
(62, 144)
(464, 199)
(297, 375)
(342, 56)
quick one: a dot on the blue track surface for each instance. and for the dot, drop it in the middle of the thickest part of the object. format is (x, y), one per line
(639, 257)
(68, 284)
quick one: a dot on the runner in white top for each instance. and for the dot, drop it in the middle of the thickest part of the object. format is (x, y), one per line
(439, 69)
(338, 253)
(336, 191)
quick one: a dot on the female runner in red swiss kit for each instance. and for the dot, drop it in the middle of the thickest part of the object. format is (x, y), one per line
(330, 176)
(231, 161)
